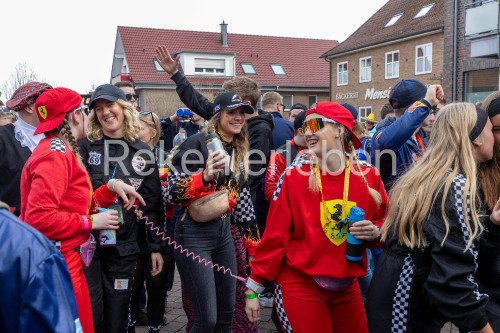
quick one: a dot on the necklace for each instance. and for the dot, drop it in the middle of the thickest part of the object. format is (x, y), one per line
(326, 211)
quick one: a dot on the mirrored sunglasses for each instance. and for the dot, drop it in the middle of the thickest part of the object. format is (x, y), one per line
(316, 124)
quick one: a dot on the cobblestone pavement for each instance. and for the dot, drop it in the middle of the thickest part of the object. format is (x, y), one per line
(176, 320)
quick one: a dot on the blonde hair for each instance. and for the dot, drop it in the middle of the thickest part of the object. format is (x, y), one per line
(345, 141)
(240, 145)
(489, 172)
(414, 195)
(359, 130)
(132, 127)
(153, 124)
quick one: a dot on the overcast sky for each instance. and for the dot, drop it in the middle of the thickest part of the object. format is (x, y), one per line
(70, 43)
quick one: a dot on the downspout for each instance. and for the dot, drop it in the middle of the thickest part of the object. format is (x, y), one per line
(455, 38)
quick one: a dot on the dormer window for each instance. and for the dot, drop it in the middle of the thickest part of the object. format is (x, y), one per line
(423, 11)
(209, 66)
(393, 20)
(278, 69)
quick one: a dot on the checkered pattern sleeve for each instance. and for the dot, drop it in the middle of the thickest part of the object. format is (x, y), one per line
(454, 263)
(299, 161)
(244, 216)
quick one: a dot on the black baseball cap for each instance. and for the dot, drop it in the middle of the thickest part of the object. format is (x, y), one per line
(230, 100)
(108, 92)
(407, 92)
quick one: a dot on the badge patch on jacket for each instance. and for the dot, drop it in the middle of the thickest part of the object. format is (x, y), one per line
(138, 163)
(135, 182)
(121, 284)
(94, 158)
(335, 230)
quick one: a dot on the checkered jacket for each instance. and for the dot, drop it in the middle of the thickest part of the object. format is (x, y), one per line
(419, 291)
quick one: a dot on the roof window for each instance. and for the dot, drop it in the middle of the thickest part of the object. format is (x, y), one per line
(423, 11)
(248, 68)
(393, 20)
(278, 69)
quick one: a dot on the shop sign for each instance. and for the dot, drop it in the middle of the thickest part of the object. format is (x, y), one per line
(377, 94)
(350, 95)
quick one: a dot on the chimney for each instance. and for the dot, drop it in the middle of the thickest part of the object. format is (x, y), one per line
(223, 33)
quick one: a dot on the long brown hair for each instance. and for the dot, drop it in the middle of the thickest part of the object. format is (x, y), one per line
(489, 172)
(240, 145)
(414, 195)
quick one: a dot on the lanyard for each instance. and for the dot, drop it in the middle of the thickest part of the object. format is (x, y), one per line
(327, 213)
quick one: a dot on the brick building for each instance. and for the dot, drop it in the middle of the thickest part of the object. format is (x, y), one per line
(471, 71)
(402, 40)
(208, 59)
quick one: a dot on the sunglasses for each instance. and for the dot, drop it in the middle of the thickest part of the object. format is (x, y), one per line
(130, 96)
(83, 108)
(316, 124)
(145, 113)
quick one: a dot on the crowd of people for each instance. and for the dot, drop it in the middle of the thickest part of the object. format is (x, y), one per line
(339, 223)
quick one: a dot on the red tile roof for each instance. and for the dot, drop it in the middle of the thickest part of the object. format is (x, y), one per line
(374, 32)
(300, 57)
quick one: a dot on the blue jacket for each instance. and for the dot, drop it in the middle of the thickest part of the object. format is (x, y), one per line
(283, 130)
(394, 139)
(37, 293)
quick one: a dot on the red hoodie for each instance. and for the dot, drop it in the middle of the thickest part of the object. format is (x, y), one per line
(294, 230)
(56, 194)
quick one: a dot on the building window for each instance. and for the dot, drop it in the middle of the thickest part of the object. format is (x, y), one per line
(248, 68)
(288, 101)
(392, 65)
(365, 69)
(209, 66)
(393, 20)
(479, 84)
(278, 69)
(158, 67)
(342, 73)
(423, 11)
(423, 59)
(312, 100)
(364, 111)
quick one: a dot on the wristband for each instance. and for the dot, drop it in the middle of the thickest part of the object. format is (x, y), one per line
(251, 296)
(91, 222)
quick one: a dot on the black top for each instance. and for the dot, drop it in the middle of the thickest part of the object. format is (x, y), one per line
(135, 165)
(12, 159)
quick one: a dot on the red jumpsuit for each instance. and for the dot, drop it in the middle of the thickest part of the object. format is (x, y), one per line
(56, 199)
(295, 248)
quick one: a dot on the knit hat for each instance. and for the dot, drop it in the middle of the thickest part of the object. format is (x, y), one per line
(351, 109)
(340, 114)
(407, 92)
(53, 105)
(26, 95)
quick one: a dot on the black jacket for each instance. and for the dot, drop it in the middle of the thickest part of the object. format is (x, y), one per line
(423, 289)
(260, 129)
(169, 130)
(139, 159)
(12, 159)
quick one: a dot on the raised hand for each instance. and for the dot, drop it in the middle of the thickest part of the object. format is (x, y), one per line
(170, 65)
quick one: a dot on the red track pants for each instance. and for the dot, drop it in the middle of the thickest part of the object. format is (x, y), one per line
(303, 306)
(75, 266)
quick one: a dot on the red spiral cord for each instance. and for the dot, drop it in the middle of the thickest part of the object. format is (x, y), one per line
(188, 253)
